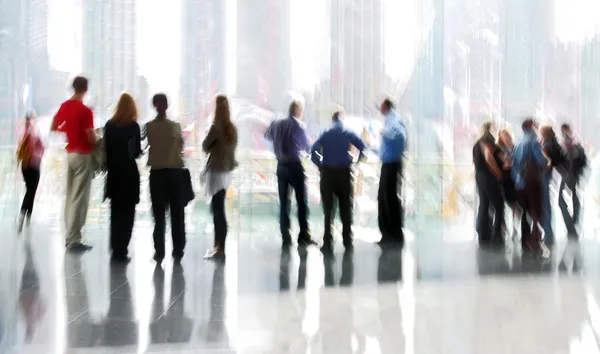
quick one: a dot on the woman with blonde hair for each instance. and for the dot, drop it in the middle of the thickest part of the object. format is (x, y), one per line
(122, 143)
(506, 146)
(220, 143)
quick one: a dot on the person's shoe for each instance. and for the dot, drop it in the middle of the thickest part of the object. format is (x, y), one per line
(177, 256)
(215, 254)
(28, 220)
(286, 242)
(545, 251)
(158, 258)
(305, 242)
(78, 248)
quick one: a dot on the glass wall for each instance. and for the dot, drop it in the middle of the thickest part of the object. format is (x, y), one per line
(448, 64)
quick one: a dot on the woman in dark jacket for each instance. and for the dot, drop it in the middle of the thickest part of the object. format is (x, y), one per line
(220, 143)
(122, 142)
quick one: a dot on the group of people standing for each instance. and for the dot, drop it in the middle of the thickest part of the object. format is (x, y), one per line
(120, 145)
(331, 152)
(520, 176)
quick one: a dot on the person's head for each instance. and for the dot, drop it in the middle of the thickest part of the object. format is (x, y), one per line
(223, 116)
(125, 111)
(528, 125)
(295, 109)
(336, 117)
(566, 131)
(80, 85)
(160, 103)
(504, 138)
(546, 132)
(486, 128)
(386, 106)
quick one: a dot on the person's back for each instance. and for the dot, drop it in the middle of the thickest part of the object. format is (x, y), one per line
(289, 139)
(75, 119)
(334, 145)
(165, 144)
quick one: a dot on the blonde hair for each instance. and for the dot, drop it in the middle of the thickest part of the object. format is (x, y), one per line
(125, 110)
(501, 142)
(547, 131)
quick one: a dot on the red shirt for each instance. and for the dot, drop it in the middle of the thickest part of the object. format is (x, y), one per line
(75, 119)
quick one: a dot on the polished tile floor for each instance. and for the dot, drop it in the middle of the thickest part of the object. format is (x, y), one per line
(438, 295)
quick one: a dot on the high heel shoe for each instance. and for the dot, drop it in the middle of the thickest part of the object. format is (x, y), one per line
(216, 254)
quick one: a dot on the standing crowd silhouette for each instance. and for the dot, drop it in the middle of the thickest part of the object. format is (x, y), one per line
(120, 145)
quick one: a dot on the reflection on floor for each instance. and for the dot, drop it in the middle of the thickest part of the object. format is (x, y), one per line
(441, 294)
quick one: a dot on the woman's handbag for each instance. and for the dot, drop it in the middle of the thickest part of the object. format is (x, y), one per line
(187, 187)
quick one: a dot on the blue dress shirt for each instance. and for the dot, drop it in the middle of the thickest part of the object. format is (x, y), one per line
(393, 138)
(529, 149)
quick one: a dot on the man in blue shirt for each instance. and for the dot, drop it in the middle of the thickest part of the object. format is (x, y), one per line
(391, 152)
(289, 141)
(330, 153)
(529, 163)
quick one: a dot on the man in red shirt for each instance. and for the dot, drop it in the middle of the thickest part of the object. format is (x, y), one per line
(76, 120)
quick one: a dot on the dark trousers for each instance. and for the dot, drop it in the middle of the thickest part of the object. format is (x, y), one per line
(122, 217)
(217, 206)
(336, 184)
(165, 190)
(571, 220)
(530, 201)
(32, 179)
(490, 195)
(391, 213)
(292, 175)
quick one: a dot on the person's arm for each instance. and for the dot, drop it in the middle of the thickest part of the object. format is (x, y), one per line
(179, 135)
(138, 141)
(210, 138)
(315, 151)
(58, 120)
(490, 161)
(269, 132)
(89, 127)
(359, 144)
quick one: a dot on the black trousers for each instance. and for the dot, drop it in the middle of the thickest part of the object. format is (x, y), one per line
(217, 206)
(336, 184)
(490, 195)
(165, 190)
(32, 179)
(391, 213)
(122, 217)
(571, 220)
(530, 201)
(292, 175)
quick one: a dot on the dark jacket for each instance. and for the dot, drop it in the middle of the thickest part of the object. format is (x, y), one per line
(221, 152)
(122, 144)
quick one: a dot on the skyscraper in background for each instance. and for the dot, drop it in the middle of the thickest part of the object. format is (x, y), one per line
(202, 55)
(263, 52)
(357, 67)
(109, 54)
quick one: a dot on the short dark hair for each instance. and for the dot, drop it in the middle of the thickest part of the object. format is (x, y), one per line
(336, 115)
(387, 103)
(527, 124)
(80, 84)
(160, 99)
(565, 126)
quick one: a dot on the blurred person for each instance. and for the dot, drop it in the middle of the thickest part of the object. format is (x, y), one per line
(220, 143)
(555, 154)
(76, 120)
(290, 139)
(330, 153)
(29, 155)
(506, 146)
(488, 177)
(529, 164)
(122, 143)
(166, 165)
(575, 164)
(391, 152)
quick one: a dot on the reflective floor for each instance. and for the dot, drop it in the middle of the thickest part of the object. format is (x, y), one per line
(438, 295)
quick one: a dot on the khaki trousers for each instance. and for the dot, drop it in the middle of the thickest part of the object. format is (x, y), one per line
(79, 182)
